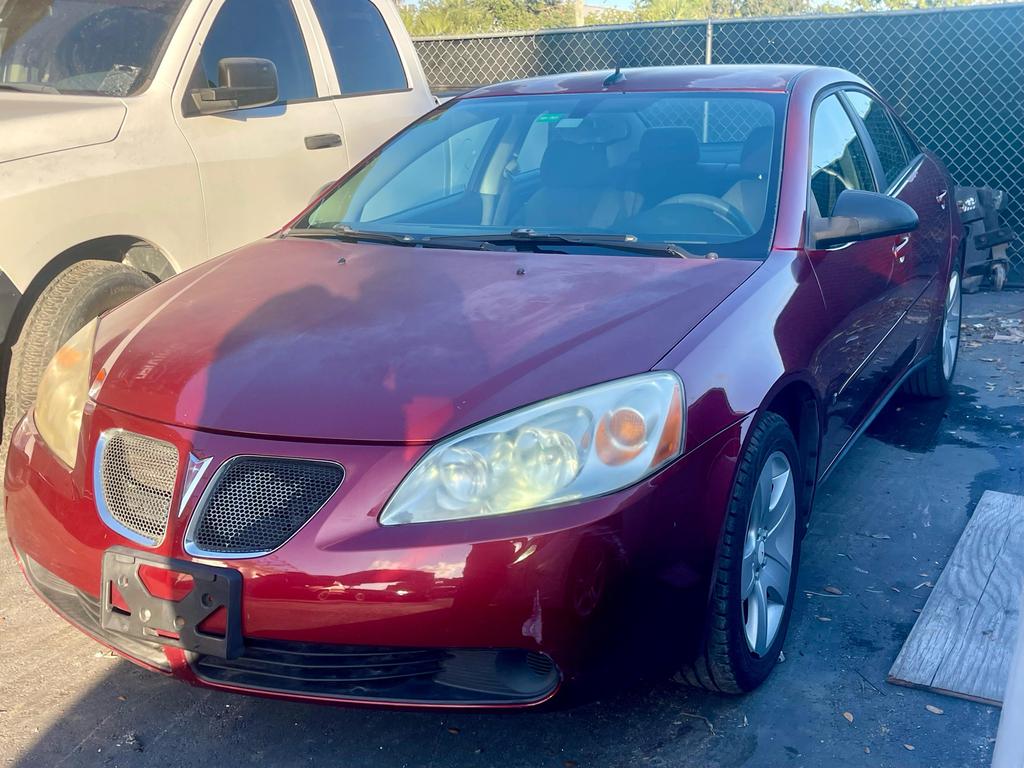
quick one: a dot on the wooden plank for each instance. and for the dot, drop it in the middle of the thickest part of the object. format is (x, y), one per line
(1009, 751)
(962, 643)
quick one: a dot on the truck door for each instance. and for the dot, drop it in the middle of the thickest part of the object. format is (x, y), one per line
(375, 70)
(260, 166)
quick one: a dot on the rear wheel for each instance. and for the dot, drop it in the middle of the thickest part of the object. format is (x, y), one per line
(934, 378)
(77, 295)
(752, 597)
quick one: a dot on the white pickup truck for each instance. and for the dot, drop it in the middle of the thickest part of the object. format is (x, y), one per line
(140, 137)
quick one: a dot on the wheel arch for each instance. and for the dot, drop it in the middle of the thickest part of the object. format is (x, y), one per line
(795, 400)
(132, 250)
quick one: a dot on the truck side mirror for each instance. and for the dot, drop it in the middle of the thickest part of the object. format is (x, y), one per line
(244, 82)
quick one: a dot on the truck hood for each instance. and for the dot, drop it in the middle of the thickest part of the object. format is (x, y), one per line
(319, 339)
(39, 123)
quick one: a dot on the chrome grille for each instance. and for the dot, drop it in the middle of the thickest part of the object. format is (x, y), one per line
(134, 483)
(255, 504)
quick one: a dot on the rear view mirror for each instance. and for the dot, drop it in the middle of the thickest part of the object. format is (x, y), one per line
(860, 215)
(244, 82)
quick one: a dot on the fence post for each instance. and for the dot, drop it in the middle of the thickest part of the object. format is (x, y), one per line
(708, 36)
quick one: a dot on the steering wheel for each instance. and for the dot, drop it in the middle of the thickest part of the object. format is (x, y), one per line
(730, 213)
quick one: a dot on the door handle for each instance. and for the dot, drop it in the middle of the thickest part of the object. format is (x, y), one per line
(941, 198)
(898, 246)
(323, 141)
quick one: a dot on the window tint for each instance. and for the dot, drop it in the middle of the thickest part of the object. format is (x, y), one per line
(882, 133)
(365, 56)
(450, 163)
(265, 29)
(838, 159)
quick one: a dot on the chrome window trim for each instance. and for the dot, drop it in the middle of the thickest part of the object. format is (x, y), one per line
(189, 540)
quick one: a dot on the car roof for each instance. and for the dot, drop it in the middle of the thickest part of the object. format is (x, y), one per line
(738, 77)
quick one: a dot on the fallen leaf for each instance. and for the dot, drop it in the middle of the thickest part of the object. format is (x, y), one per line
(122, 698)
(823, 618)
(933, 709)
(848, 716)
(909, 747)
(833, 590)
(570, 763)
(860, 570)
(782, 658)
(453, 730)
(867, 750)
(882, 536)
(924, 584)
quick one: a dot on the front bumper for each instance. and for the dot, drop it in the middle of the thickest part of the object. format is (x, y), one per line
(503, 610)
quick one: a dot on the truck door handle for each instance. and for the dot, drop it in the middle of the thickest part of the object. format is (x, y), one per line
(323, 141)
(941, 198)
(898, 246)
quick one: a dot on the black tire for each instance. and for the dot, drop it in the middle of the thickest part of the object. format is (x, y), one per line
(725, 663)
(930, 380)
(78, 294)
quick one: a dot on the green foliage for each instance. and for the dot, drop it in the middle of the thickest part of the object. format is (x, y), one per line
(460, 17)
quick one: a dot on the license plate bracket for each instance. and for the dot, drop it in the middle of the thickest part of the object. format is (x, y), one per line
(172, 622)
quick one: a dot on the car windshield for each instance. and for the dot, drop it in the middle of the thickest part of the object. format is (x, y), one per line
(102, 47)
(698, 169)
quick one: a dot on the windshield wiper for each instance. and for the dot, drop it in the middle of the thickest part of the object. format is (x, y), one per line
(28, 88)
(623, 242)
(345, 232)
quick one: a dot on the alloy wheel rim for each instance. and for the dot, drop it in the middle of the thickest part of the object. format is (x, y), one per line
(951, 326)
(768, 553)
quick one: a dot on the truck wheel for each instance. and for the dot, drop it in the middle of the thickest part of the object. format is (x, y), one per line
(759, 555)
(77, 295)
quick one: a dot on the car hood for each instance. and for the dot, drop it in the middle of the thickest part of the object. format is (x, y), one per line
(39, 123)
(319, 339)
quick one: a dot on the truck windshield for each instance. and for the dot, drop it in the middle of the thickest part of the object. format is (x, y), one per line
(102, 47)
(695, 169)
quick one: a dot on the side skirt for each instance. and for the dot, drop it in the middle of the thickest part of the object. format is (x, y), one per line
(883, 401)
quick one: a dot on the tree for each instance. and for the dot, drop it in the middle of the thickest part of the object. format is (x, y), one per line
(459, 17)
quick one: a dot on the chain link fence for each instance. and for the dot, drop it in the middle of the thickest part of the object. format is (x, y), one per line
(955, 74)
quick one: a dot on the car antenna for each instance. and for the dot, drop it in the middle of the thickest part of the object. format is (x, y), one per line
(614, 77)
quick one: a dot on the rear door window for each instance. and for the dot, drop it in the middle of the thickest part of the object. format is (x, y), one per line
(364, 53)
(838, 158)
(882, 133)
(264, 29)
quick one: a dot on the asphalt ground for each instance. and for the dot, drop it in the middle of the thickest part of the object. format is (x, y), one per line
(884, 525)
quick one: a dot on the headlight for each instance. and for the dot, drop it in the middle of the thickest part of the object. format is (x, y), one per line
(576, 446)
(62, 394)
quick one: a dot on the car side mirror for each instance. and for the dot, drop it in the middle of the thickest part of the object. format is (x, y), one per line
(860, 215)
(244, 82)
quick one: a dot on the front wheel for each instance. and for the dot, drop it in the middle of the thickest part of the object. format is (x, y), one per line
(78, 294)
(935, 377)
(759, 553)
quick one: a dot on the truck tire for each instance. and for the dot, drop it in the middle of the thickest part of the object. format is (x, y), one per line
(78, 294)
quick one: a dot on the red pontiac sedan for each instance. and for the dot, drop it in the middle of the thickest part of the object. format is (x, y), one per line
(540, 391)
